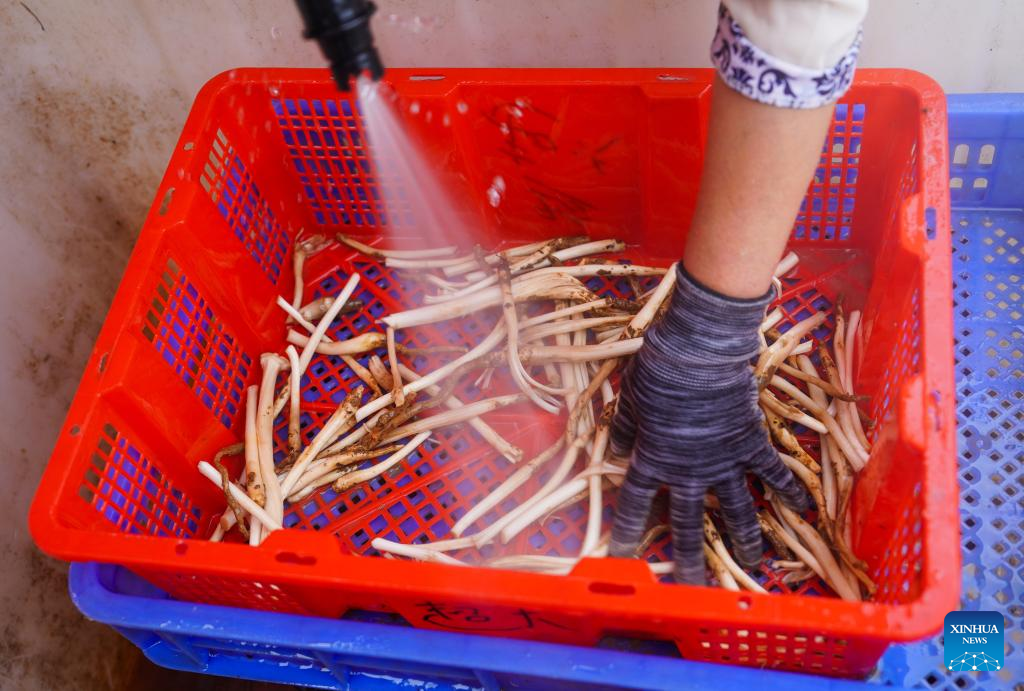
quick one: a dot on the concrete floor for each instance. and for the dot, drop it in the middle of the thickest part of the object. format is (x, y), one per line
(94, 95)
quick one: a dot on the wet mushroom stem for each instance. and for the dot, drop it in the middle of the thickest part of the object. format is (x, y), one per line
(722, 574)
(714, 539)
(251, 507)
(253, 471)
(233, 505)
(360, 476)
(397, 395)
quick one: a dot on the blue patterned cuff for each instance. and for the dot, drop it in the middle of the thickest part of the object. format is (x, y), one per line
(757, 75)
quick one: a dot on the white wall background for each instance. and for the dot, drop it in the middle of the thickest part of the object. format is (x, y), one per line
(93, 97)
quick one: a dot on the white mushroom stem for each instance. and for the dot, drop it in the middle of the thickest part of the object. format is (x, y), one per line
(831, 572)
(453, 417)
(579, 340)
(537, 509)
(378, 253)
(563, 313)
(842, 359)
(254, 509)
(470, 264)
(265, 435)
(488, 433)
(722, 573)
(852, 417)
(601, 351)
(321, 328)
(357, 345)
(783, 347)
(510, 485)
(828, 478)
(253, 472)
(715, 540)
(294, 415)
(545, 330)
(595, 498)
(303, 248)
(360, 476)
(513, 522)
(417, 552)
(558, 566)
(790, 413)
(396, 377)
(527, 384)
(555, 287)
(562, 255)
(342, 419)
(786, 264)
(485, 346)
(773, 318)
(831, 425)
(610, 335)
(296, 315)
(329, 468)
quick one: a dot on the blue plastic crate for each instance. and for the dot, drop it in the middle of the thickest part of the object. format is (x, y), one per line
(986, 134)
(987, 145)
(330, 654)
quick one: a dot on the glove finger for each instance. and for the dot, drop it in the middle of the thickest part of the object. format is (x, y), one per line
(687, 518)
(767, 465)
(632, 508)
(622, 435)
(737, 509)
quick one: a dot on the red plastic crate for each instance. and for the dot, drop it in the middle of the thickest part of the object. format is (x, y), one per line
(610, 153)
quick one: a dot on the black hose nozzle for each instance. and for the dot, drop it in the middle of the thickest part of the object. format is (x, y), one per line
(342, 28)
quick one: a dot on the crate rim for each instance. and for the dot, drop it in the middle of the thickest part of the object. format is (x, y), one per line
(933, 404)
(384, 642)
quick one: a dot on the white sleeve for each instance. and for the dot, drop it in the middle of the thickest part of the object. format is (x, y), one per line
(789, 53)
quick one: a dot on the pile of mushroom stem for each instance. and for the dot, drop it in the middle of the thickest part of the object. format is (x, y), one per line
(561, 356)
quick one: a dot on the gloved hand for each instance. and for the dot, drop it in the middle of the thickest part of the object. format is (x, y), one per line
(688, 411)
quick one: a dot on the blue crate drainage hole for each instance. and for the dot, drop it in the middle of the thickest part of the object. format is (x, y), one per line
(232, 190)
(194, 343)
(126, 488)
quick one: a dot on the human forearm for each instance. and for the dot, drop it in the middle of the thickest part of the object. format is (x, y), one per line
(757, 166)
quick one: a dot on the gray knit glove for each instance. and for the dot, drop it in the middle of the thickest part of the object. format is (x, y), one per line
(688, 411)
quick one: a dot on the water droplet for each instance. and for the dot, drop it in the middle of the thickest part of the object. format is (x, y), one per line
(275, 32)
(496, 191)
(516, 112)
(522, 102)
(274, 91)
(446, 120)
(504, 128)
(181, 173)
(414, 107)
(462, 107)
(429, 116)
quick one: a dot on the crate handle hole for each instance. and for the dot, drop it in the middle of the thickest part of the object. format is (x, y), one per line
(603, 588)
(75, 430)
(426, 77)
(672, 78)
(165, 205)
(293, 558)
